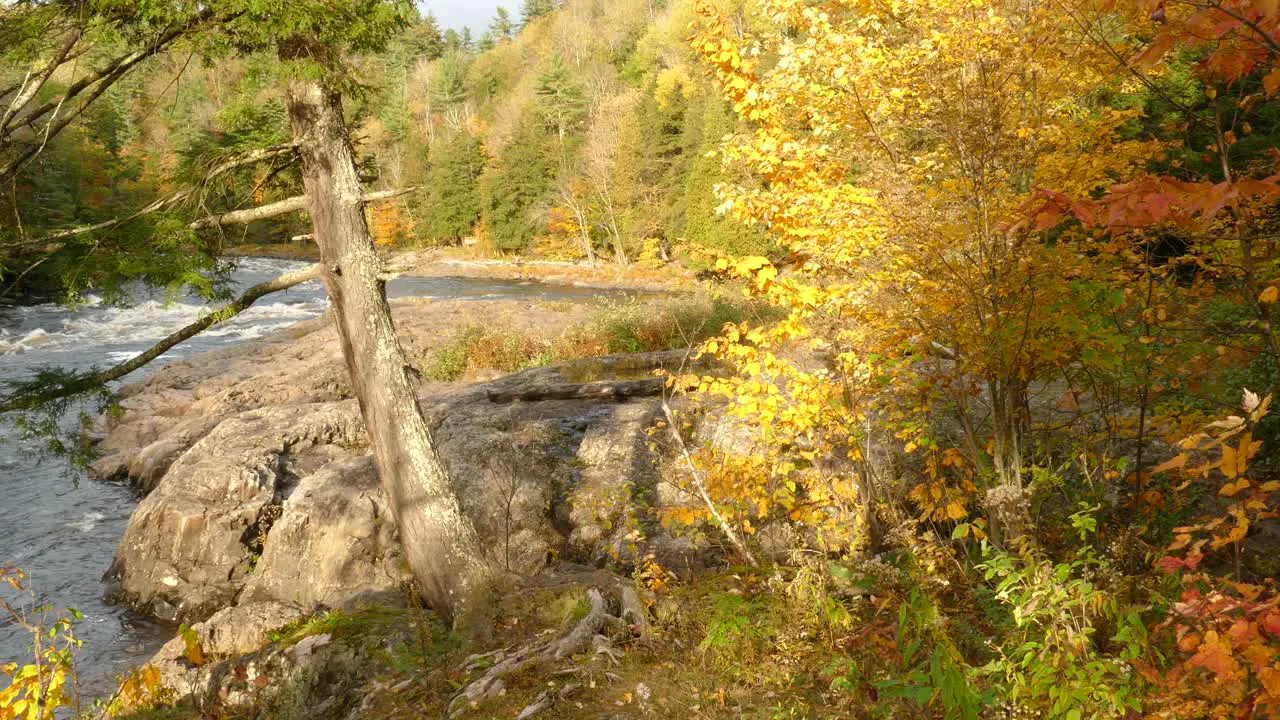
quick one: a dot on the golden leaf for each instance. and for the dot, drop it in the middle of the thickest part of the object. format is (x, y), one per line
(1232, 488)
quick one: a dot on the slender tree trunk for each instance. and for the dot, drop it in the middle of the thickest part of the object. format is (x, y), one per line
(439, 541)
(1007, 502)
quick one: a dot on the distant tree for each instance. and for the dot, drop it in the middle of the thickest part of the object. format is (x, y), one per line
(486, 42)
(466, 41)
(535, 9)
(562, 103)
(448, 85)
(452, 41)
(427, 38)
(501, 27)
(448, 89)
(513, 191)
(453, 201)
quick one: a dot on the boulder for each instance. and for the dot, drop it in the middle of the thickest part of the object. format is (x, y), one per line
(191, 542)
(230, 633)
(335, 539)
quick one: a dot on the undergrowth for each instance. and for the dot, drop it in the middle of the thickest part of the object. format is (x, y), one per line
(617, 327)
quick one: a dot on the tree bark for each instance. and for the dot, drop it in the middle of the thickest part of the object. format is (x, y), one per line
(439, 541)
(599, 390)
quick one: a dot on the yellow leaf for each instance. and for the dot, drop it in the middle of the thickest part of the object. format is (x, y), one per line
(1270, 295)
(1228, 464)
(956, 511)
(1234, 487)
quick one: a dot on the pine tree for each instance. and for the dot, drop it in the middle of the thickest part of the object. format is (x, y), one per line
(452, 41)
(453, 202)
(448, 86)
(562, 104)
(501, 27)
(703, 225)
(513, 192)
(427, 37)
(535, 9)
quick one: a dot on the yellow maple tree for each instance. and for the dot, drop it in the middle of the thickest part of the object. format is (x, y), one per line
(894, 151)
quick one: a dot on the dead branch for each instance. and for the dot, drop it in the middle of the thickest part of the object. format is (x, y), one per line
(282, 207)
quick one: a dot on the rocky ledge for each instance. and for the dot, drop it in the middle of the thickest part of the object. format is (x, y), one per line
(282, 503)
(259, 490)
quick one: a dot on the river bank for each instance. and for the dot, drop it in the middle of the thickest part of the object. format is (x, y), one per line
(455, 263)
(69, 526)
(261, 509)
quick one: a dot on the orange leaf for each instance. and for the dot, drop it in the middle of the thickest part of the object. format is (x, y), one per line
(1174, 463)
(1271, 82)
(1215, 656)
(1156, 50)
(1271, 623)
(1189, 642)
(1270, 679)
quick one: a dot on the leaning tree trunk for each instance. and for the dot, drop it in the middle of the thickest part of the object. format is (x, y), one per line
(440, 542)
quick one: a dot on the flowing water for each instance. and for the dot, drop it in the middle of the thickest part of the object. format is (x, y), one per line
(62, 529)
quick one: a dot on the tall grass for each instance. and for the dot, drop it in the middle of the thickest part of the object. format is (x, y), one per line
(618, 327)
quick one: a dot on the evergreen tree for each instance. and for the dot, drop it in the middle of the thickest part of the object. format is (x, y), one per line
(501, 27)
(453, 201)
(702, 224)
(466, 41)
(513, 192)
(536, 9)
(562, 104)
(452, 41)
(448, 86)
(486, 42)
(426, 37)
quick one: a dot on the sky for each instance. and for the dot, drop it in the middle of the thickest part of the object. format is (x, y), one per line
(474, 13)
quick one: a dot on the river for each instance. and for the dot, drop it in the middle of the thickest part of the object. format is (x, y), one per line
(62, 528)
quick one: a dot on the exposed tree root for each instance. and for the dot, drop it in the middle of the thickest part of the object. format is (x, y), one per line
(592, 634)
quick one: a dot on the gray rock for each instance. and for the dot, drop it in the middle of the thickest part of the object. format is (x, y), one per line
(190, 543)
(335, 539)
(229, 633)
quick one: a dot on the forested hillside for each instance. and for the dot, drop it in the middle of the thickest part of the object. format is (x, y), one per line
(583, 133)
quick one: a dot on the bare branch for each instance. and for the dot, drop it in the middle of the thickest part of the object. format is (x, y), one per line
(282, 207)
(172, 200)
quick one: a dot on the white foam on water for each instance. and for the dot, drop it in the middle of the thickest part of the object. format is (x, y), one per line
(10, 343)
(87, 522)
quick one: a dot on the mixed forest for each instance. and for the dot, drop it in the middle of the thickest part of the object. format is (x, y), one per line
(1005, 382)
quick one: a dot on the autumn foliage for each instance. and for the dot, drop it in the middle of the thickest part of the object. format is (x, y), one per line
(1026, 247)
